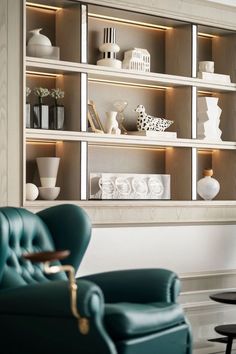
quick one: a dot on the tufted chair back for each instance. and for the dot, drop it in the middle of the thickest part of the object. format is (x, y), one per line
(21, 232)
(24, 232)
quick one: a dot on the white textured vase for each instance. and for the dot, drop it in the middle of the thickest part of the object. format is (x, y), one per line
(208, 187)
(208, 119)
(38, 38)
(111, 123)
(48, 169)
(39, 44)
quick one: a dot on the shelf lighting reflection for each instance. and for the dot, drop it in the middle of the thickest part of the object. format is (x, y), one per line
(42, 6)
(129, 84)
(207, 152)
(129, 22)
(109, 146)
(43, 142)
(206, 35)
(45, 74)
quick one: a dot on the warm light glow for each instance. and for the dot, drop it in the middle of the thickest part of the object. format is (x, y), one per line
(206, 35)
(205, 93)
(158, 149)
(205, 152)
(42, 6)
(130, 84)
(129, 22)
(39, 73)
(42, 142)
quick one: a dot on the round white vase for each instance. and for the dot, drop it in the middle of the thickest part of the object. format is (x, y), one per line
(38, 44)
(112, 126)
(38, 38)
(208, 187)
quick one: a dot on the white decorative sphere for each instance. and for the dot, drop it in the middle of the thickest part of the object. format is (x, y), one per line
(32, 191)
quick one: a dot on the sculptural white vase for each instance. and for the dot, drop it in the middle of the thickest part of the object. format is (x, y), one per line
(39, 44)
(208, 119)
(208, 187)
(112, 126)
(48, 169)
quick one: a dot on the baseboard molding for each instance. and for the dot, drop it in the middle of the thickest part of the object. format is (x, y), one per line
(203, 313)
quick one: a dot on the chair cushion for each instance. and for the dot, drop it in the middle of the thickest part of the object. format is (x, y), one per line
(127, 320)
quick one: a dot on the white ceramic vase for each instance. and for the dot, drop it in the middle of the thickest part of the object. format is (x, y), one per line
(39, 44)
(208, 187)
(208, 119)
(48, 169)
(111, 123)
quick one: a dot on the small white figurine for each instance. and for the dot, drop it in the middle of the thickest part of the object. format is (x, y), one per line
(137, 59)
(112, 126)
(147, 122)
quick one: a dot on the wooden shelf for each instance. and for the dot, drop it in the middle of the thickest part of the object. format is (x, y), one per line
(153, 80)
(123, 140)
(127, 213)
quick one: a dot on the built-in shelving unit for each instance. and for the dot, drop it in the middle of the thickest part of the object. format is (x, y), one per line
(169, 90)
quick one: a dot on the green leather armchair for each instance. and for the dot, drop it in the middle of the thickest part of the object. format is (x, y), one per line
(129, 312)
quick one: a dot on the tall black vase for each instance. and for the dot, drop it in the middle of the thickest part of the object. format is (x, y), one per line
(40, 116)
(57, 115)
(27, 115)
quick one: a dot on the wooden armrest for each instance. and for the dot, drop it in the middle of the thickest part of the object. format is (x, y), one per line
(49, 256)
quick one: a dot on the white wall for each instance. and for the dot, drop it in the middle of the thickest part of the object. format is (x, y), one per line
(181, 248)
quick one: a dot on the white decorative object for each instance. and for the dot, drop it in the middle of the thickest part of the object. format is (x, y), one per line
(154, 134)
(147, 122)
(137, 59)
(112, 126)
(48, 168)
(220, 78)
(206, 66)
(120, 106)
(49, 193)
(206, 72)
(109, 49)
(208, 119)
(129, 186)
(40, 45)
(208, 187)
(31, 191)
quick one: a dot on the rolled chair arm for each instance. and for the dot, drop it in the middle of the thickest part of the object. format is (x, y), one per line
(138, 285)
(51, 299)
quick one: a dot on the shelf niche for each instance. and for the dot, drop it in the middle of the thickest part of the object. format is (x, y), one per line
(170, 103)
(68, 178)
(173, 161)
(218, 45)
(224, 170)
(61, 25)
(70, 84)
(167, 41)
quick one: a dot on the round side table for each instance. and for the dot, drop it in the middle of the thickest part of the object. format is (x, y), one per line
(229, 330)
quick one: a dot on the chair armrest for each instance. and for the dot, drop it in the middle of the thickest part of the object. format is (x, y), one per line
(138, 285)
(51, 299)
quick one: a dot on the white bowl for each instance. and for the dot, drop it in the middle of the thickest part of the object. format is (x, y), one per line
(49, 193)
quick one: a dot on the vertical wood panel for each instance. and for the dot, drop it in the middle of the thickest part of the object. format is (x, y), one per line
(15, 99)
(3, 102)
